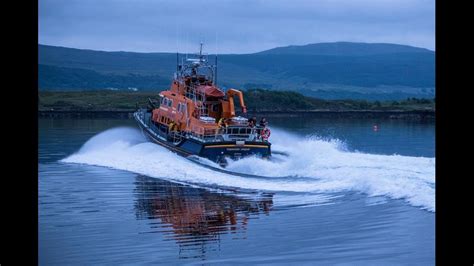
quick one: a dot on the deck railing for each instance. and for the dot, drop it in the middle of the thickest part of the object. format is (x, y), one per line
(230, 133)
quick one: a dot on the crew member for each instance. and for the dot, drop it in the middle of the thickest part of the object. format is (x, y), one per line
(265, 133)
(172, 127)
(222, 122)
(252, 122)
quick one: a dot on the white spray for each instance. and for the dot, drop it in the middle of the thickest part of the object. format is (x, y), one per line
(320, 166)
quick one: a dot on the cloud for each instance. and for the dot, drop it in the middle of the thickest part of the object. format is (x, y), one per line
(239, 26)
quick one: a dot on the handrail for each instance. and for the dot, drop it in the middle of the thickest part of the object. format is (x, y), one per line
(229, 133)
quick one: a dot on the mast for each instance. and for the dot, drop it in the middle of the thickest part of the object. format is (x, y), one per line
(200, 52)
(215, 72)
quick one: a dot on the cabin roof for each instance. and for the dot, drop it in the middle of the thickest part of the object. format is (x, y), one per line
(210, 91)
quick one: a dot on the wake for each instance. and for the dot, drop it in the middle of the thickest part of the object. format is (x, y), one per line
(312, 165)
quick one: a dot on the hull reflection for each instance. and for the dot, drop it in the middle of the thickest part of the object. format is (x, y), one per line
(195, 218)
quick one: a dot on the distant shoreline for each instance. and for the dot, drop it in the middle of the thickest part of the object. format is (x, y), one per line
(387, 114)
(259, 102)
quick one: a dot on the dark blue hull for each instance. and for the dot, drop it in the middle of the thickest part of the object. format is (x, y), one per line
(215, 151)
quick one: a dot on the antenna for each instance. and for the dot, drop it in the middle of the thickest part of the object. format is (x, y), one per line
(177, 37)
(200, 51)
(215, 67)
(215, 74)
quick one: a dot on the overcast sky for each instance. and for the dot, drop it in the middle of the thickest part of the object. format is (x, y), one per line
(243, 26)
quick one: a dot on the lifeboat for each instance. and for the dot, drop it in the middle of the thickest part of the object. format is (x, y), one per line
(197, 118)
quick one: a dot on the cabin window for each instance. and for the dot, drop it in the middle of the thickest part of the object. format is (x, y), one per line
(165, 101)
(170, 102)
(181, 107)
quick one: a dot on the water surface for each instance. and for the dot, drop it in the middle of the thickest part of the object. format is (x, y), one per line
(346, 195)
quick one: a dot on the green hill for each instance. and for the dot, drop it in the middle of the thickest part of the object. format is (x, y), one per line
(327, 70)
(65, 78)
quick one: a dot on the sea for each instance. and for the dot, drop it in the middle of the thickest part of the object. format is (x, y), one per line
(336, 192)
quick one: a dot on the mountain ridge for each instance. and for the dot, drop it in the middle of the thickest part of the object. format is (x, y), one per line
(346, 49)
(359, 69)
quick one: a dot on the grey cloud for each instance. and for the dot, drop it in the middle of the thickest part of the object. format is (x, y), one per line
(241, 26)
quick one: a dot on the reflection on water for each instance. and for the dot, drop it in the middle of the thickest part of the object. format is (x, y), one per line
(195, 217)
